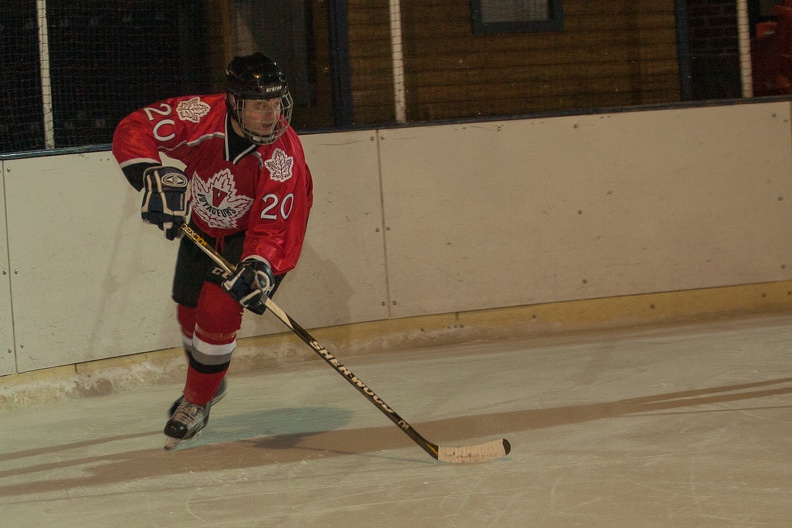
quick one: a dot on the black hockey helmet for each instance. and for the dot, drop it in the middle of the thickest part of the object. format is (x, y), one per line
(257, 77)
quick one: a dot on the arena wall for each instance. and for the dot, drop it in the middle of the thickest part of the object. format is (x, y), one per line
(431, 225)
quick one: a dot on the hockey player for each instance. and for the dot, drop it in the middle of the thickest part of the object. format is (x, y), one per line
(245, 187)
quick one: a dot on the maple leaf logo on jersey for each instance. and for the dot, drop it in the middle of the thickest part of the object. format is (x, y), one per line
(216, 201)
(192, 110)
(280, 166)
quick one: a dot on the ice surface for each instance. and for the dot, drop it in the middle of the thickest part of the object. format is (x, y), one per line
(684, 426)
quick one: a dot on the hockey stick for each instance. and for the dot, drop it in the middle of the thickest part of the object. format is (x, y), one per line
(456, 455)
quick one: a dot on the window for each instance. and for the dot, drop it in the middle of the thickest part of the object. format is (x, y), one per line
(514, 16)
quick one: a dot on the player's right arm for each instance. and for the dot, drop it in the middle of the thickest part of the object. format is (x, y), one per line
(139, 137)
(136, 145)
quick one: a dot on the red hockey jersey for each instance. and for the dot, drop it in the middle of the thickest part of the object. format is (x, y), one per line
(266, 190)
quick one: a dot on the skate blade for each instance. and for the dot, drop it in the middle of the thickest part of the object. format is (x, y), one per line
(171, 443)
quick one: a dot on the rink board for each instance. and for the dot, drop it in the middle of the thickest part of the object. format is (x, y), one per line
(340, 278)
(91, 279)
(418, 221)
(7, 357)
(94, 281)
(523, 212)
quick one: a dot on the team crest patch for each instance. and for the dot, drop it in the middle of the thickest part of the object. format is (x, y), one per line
(216, 201)
(192, 110)
(280, 166)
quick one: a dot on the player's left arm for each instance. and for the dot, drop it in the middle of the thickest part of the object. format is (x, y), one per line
(279, 215)
(275, 235)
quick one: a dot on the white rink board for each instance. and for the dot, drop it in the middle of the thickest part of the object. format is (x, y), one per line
(94, 281)
(340, 278)
(514, 213)
(7, 362)
(470, 217)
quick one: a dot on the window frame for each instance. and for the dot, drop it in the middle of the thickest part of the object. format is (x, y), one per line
(554, 22)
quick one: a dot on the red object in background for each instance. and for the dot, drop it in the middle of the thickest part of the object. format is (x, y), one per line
(771, 54)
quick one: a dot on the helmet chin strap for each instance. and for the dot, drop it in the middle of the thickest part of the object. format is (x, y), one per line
(236, 127)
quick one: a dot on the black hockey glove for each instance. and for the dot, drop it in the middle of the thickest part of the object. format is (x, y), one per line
(251, 284)
(165, 202)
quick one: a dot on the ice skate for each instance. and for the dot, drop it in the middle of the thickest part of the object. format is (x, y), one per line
(219, 395)
(186, 423)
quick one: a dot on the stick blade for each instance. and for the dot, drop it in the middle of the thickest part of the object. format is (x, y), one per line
(475, 453)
